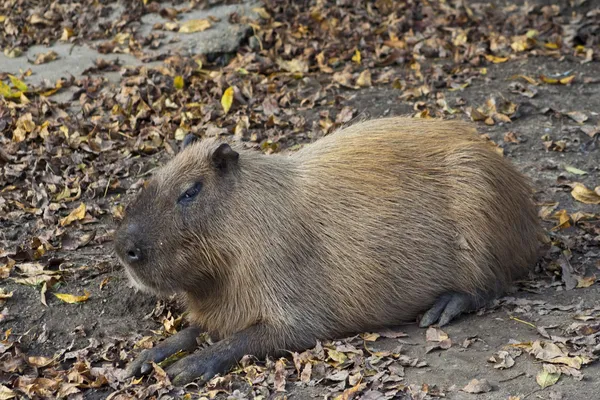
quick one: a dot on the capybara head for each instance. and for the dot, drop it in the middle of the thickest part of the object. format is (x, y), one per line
(163, 240)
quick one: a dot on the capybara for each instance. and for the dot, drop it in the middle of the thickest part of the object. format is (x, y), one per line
(372, 225)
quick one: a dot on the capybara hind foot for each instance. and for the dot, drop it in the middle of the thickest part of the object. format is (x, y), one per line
(184, 340)
(449, 306)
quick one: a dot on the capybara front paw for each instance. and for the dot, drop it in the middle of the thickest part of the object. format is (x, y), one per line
(142, 365)
(195, 366)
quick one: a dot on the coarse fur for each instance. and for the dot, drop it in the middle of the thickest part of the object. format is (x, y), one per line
(363, 229)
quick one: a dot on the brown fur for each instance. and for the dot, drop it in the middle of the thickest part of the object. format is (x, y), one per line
(363, 229)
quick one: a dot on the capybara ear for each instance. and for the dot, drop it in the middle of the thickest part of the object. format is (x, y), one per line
(224, 157)
(189, 139)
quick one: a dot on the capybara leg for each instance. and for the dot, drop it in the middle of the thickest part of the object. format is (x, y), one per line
(449, 306)
(184, 340)
(259, 340)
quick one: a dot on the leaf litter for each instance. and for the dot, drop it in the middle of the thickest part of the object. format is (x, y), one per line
(65, 173)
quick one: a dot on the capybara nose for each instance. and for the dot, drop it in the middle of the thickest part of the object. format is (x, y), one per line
(133, 254)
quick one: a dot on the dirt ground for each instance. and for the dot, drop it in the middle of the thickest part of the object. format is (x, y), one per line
(552, 137)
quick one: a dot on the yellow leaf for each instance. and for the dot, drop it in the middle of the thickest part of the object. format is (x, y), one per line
(227, 99)
(67, 34)
(585, 195)
(75, 215)
(178, 82)
(564, 221)
(496, 60)
(17, 83)
(7, 92)
(262, 12)
(69, 298)
(195, 25)
(2, 18)
(567, 80)
(356, 57)
(545, 379)
(552, 46)
(529, 79)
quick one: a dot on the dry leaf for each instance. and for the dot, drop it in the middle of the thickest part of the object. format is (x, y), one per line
(6, 393)
(585, 195)
(577, 116)
(496, 60)
(545, 379)
(178, 82)
(356, 57)
(227, 99)
(44, 58)
(195, 25)
(574, 170)
(585, 282)
(364, 79)
(76, 215)
(69, 298)
(279, 381)
(478, 386)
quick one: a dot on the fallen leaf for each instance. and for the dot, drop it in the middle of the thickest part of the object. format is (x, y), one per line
(279, 381)
(495, 59)
(227, 99)
(6, 268)
(44, 58)
(67, 34)
(585, 195)
(585, 282)
(337, 356)
(577, 116)
(574, 170)
(6, 393)
(591, 131)
(5, 295)
(435, 335)
(178, 82)
(564, 221)
(75, 215)
(364, 79)
(370, 337)
(545, 379)
(40, 362)
(356, 57)
(477, 386)
(349, 393)
(502, 360)
(195, 25)
(17, 83)
(69, 298)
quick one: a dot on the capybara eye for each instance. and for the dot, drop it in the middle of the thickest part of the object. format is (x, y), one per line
(190, 194)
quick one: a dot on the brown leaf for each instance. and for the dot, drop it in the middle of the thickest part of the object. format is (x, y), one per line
(44, 58)
(279, 382)
(478, 386)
